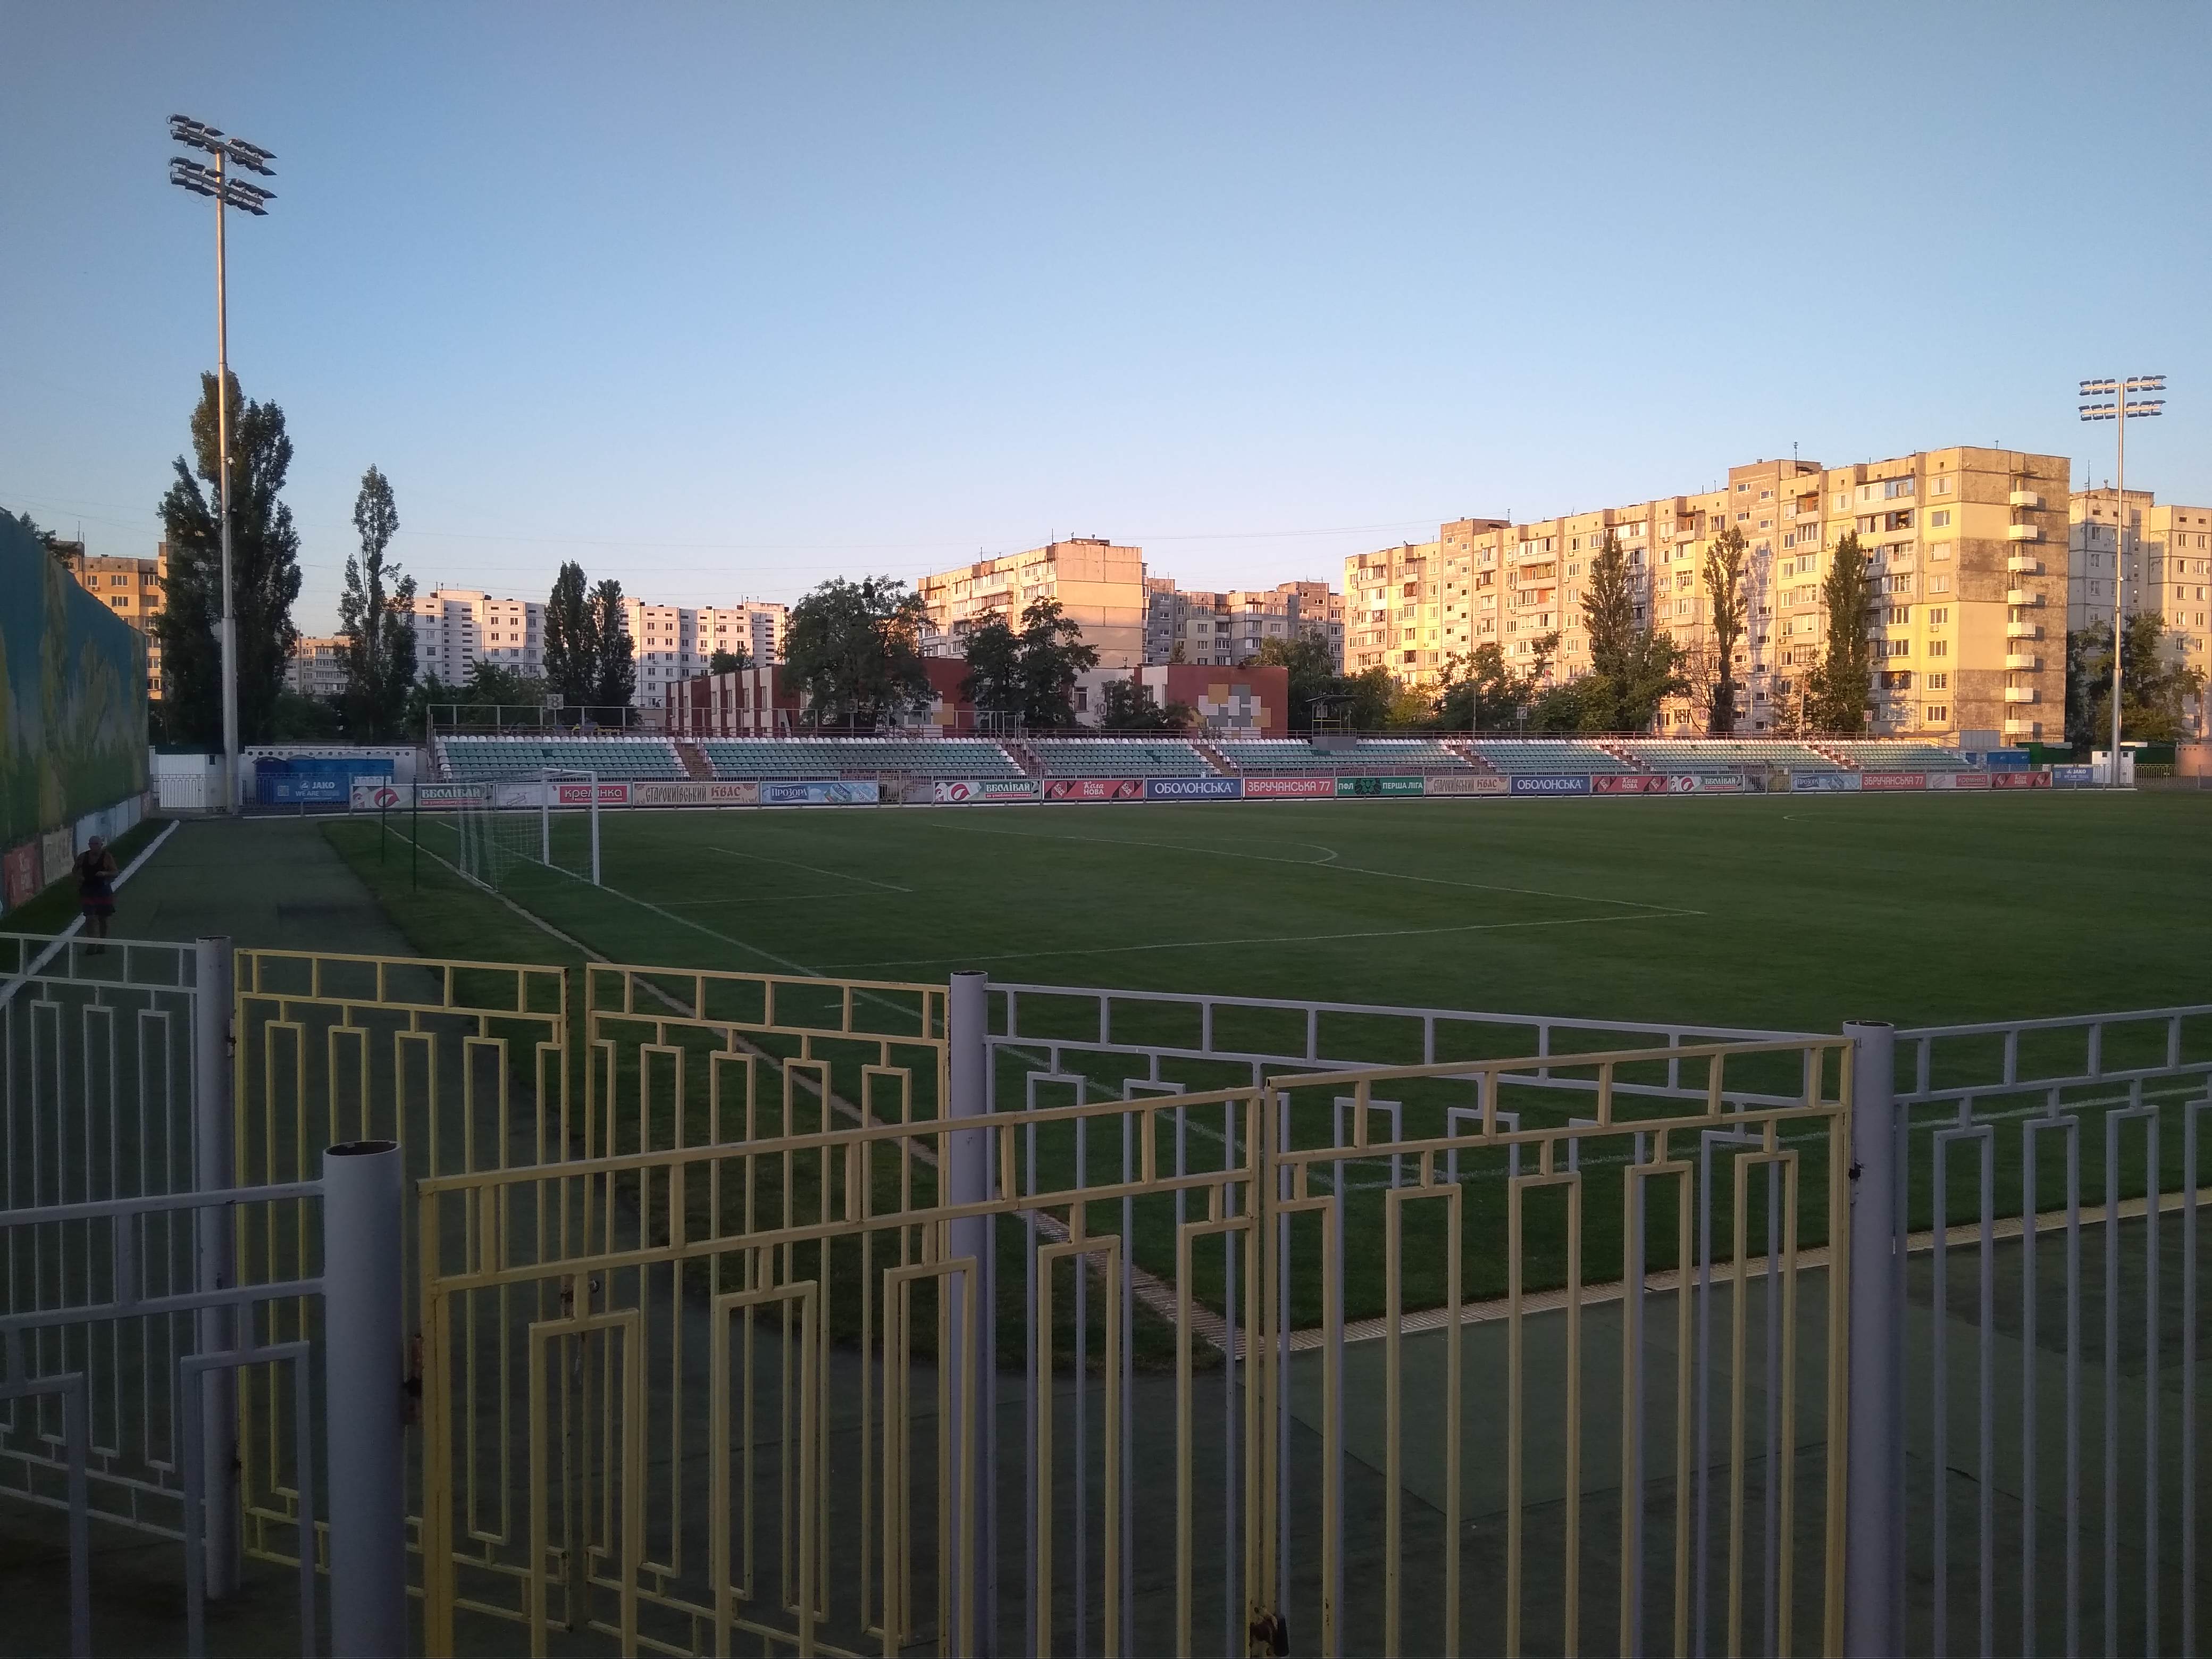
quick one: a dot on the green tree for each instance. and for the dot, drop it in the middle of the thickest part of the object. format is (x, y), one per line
(730, 662)
(298, 719)
(264, 567)
(1481, 694)
(375, 615)
(1126, 705)
(1634, 666)
(1054, 657)
(1312, 667)
(993, 654)
(614, 681)
(2156, 687)
(1368, 697)
(1838, 688)
(572, 638)
(854, 649)
(1030, 674)
(1726, 604)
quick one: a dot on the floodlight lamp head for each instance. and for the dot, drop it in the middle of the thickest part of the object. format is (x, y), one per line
(192, 176)
(2098, 388)
(198, 134)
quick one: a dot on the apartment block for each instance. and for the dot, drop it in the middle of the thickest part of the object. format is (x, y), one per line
(1961, 542)
(456, 628)
(2160, 556)
(134, 589)
(1099, 585)
(318, 667)
(1226, 629)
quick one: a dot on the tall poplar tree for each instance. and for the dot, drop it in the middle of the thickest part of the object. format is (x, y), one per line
(614, 681)
(375, 615)
(1837, 689)
(1725, 604)
(1634, 666)
(572, 638)
(265, 572)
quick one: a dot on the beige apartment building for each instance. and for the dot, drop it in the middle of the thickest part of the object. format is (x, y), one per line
(318, 666)
(1966, 545)
(1099, 585)
(134, 589)
(1226, 629)
(2163, 565)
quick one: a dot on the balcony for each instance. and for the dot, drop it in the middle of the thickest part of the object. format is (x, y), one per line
(2023, 596)
(2023, 533)
(2026, 498)
(2024, 564)
(2020, 664)
(2013, 728)
(2023, 630)
(2022, 694)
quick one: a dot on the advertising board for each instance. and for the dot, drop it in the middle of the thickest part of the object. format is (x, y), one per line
(1288, 788)
(950, 792)
(1082, 789)
(1551, 783)
(1958, 780)
(1194, 788)
(1872, 781)
(295, 788)
(730, 794)
(1824, 783)
(2073, 777)
(1703, 783)
(57, 852)
(580, 794)
(1628, 783)
(377, 795)
(821, 791)
(2020, 780)
(1379, 786)
(1462, 783)
(18, 874)
(452, 794)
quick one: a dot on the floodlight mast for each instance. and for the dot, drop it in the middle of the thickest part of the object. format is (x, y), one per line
(2117, 405)
(227, 191)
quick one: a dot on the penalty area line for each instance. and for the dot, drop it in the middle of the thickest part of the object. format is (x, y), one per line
(1269, 939)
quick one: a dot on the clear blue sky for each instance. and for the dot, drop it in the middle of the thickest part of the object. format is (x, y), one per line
(725, 299)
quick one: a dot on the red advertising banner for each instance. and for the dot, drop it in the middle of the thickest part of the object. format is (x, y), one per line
(580, 794)
(1628, 783)
(1870, 780)
(1288, 788)
(2020, 780)
(1095, 789)
(18, 874)
(1966, 781)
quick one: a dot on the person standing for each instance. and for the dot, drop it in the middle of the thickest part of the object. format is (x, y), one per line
(95, 888)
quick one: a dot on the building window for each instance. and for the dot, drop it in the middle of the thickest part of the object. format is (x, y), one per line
(1938, 616)
(1939, 647)
(1939, 682)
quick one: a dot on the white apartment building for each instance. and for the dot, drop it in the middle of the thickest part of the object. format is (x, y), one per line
(672, 642)
(456, 628)
(2165, 572)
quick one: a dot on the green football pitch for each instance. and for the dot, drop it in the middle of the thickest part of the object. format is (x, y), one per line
(1768, 912)
(1777, 912)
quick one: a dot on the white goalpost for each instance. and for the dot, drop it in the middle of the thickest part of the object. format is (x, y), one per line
(498, 833)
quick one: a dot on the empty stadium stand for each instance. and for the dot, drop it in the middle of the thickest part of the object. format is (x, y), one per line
(1891, 756)
(1118, 757)
(1514, 754)
(492, 758)
(1266, 756)
(1728, 755)
(830, 757)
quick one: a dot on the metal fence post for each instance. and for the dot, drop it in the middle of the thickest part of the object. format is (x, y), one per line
(968, 1181)
(364, 1363)
(1873, 1517)
(213, 1043)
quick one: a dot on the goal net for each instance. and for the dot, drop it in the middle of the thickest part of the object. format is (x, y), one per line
(525, 827)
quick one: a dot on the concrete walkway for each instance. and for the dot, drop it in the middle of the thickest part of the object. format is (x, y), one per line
(274, 883)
